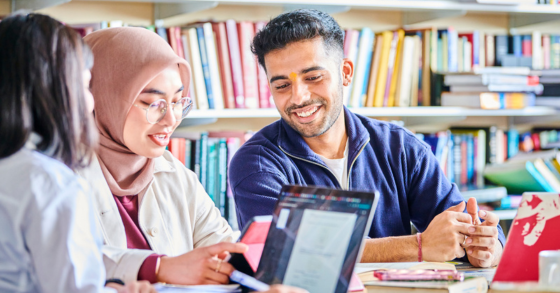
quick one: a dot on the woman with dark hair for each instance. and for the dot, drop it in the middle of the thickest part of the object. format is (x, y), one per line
(49, 240)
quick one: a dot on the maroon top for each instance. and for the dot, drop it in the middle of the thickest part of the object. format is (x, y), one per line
(128, 209)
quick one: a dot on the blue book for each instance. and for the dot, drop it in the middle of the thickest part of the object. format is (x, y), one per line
(441, 143)
(538, 177)
(205, 67)
(211, 178)
(452, 43)
(203, 158)
(517, 46)
(470, 158)
(476, 48)
(513, 142)
(366, 32)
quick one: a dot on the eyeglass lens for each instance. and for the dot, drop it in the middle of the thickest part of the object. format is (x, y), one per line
(158, 109)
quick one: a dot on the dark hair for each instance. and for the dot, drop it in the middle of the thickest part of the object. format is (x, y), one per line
(298, 25)
(42, 91)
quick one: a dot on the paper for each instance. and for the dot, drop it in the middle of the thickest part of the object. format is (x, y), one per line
(319, 250)
(161, 287)
(369, 267)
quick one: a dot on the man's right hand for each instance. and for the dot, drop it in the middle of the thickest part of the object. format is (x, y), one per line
(443, 238)
(200, 266)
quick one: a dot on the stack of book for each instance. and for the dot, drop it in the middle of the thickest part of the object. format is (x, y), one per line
(492, 88)
(208, 155)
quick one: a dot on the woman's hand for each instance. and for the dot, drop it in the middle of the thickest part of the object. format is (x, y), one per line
(284, 289)
(133, 287)
(201, 266)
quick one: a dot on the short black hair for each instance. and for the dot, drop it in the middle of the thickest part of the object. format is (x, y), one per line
(295, 26)
(42, 90)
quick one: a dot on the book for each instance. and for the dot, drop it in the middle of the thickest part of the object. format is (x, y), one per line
(361, 66)
(469, 285)
(205, 67)
(264, 90)
(390, 67)
(352, 54)
(235, 59)
(212, 171)
(517, 177)
(383, 67)
(224, 64)
(246, 34)
(196, 67)
(415, 72)
(374, 71)
(395, 68)
(483, 193)
(547, 174)
(534, 229)
(221, 190)
(213, 68)
(404, 87)
(497, 88)
(203, 155)
(488, 100)
(187, 54)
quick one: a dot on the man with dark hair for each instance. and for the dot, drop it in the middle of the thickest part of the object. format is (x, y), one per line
(320, 142)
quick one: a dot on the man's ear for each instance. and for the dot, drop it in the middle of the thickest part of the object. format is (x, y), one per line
(347, 68)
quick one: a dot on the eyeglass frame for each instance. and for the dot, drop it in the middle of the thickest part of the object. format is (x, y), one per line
(189, 105)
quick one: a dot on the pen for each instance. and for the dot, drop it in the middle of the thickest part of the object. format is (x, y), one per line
(248, 281)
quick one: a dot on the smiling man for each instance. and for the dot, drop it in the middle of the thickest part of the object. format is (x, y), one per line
(320, 142)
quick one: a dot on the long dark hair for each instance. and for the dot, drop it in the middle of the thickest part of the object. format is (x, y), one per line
(41, 89)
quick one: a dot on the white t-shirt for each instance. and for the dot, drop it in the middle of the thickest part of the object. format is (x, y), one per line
(339, 167)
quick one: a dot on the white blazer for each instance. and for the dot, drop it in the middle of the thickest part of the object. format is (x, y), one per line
(49, 241)
(175, 214)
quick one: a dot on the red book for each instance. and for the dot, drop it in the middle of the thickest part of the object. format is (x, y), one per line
(536, 141)
(171, 39)
(235, 60)
(264, 90)
(178, 43)
(505, 146)
(534, 229)
(527, 46)
(246, 34)
(225, 66)
(532, 80)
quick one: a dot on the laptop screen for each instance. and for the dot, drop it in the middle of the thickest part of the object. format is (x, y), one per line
(315, 238)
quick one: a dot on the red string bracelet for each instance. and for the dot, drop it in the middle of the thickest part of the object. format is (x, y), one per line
(419, 237)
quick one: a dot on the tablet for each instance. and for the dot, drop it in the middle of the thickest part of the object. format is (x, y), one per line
(316, 237)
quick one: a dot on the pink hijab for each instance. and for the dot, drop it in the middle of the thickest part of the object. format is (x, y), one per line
(126, 60)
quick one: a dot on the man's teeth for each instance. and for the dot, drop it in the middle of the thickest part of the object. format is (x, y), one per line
(307, 114)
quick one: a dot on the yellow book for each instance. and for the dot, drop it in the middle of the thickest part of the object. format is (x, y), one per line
(383, 67)
(374, 70)
(396, 69)
(556, 164)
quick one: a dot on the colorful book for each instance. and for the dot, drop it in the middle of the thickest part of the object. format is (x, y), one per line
(361, 67)
(224, 64)
(383, 67)
(517, 177)
(374, 70)
(212, 171)
(213, 68)
(221, 190)
(246, 33)
(264, 90)
(205, 67)
(396, 67)
(390, 67)
(196, 67)
(203, 159)
(235, 59)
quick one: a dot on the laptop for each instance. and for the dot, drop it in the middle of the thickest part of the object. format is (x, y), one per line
(314, 238)
(534, 229)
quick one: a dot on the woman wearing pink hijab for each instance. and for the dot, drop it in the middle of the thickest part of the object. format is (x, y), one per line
(158, 222)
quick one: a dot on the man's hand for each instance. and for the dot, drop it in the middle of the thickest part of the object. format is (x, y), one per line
(443, 238)
(203, 265)
(483, 247)
(133, 287)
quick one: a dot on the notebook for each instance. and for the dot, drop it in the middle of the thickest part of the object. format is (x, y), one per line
(534, 229)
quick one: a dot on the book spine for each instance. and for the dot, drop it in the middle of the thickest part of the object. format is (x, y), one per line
(457, 140)
(426, 70)
(205, 68)
(470, 159)
(369, 56)
(501, 49)
(538, 177)
(464, 159)
(180, 48)
(188, 154)
(187, 53)
(364, 50)
(211, 180)
(203, 159)
(476, 49)
(222, 177)
(198, 74)
(383, 66)
(451, 157)
(214, 71)
(513, 142)
(555, 55)
(537, 50)
(546, 52)
(517, 46)
(453, 40)
(250, 80)
(527, 46)
(264, 90)
(196, 157)
(394, 67)
(490, 51)
(225, 66)
(232, 146)
(235, 58)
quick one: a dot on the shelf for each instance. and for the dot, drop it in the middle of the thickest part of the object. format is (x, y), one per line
(413, 11)
(409, 115)
(384, 112)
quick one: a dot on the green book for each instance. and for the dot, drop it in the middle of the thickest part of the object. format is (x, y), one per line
(203, 145)
(517, 177)
(211, 180)
(221, 189)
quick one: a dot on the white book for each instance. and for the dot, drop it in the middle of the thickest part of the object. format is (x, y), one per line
(197, 73)
(460, 54)
(186, 51)
(352, 55)
(467, 59)
(503, 70)
(213, 66)
(406, 74)
(365, 48)
(415, 74)
(500, 146)
(536, 41)
(482, 50)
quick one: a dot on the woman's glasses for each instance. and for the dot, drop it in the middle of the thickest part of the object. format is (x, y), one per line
(157, 110)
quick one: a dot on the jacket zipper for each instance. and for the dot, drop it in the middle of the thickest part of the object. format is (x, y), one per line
(349, 170)
(352, 165)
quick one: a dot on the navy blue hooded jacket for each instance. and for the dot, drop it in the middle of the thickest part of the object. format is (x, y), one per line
(381, 156)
